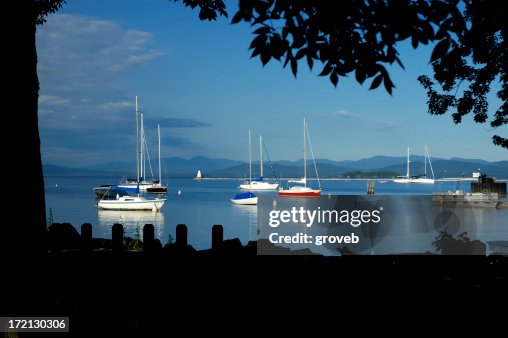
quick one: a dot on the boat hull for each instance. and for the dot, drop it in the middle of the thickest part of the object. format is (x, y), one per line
(300, 192)
(143, 186)
(246, 198)
(259, 186)
(157, 190)
(131, 205)
(245, 201)
(414, 180)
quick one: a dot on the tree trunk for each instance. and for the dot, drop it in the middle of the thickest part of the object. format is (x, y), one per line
(26, 213)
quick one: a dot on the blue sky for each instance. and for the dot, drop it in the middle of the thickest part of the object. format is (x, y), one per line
(197, 80)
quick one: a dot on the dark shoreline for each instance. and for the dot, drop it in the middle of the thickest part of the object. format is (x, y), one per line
(144, 292)
(102, 292)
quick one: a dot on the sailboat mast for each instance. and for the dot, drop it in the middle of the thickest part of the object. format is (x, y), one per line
(407, 169)
(261, 155)
(425, 162)
(250, 162)
(142, 146)
(137, 142)
(159, 138)
(305, 151)
(430, 163)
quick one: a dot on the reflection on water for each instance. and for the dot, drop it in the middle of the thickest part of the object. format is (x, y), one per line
(247, 214)
(406, 224)
(131, 220)
(202, 204)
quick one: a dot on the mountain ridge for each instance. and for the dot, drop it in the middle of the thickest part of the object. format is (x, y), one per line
(220, 167)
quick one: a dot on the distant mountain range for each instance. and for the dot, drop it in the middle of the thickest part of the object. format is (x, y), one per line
(377, 166)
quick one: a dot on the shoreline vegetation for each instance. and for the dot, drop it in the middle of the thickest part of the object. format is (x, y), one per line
(63, 237)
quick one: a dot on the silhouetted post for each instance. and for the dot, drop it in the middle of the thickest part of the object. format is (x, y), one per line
(217, 236)
(86, 237)
(181, 236)
(117, 238)
(148, 239)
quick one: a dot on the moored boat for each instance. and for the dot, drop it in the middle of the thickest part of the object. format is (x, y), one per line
(419, 179)
(118, 199)
(259, 183)
(298, 190)
(245, 198)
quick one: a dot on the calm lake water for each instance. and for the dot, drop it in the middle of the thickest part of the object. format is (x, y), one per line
(201, 204)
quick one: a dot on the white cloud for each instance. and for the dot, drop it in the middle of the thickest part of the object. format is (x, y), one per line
(117, 106)
(84, 52)
(365, 121)
(83, 62)
(345, 114)
(53, 100)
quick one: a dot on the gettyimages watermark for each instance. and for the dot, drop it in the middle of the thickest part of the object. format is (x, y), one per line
(354, 224)
(308, 218)
(301, 215)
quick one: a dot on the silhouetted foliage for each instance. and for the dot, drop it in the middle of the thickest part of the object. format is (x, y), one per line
(360, 37)
(41, 8)
(446, 244)
(208, 9)
(475, 60)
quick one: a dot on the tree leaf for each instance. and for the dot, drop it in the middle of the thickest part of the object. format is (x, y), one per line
(326, 69)
(376, 82)
(258, 42)
(440, 50)
(238, 17)
(388, 84)
(334, 78)
(360, 75)
(265, 57)
(310, 61)
(414, 40)
(294, 66)
(262, 31)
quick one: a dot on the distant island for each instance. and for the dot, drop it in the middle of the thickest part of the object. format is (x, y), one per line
(373, 167)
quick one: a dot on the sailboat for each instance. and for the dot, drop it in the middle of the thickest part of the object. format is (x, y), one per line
(138, 183)
(198, 175)
(141, 152)
(158, 188)
(121, 199)
(421, 179)
(259, 183)
(247, 197)
(303, 190)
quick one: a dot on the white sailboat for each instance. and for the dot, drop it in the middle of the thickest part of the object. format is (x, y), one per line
(141, 153)
(120, 199)
(247, 198)
(420, 179)
(259, 183)
(138, 183)
(198, 175)
(298, 190)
